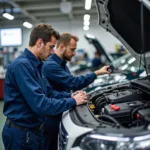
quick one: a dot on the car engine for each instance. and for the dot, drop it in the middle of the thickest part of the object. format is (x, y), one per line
(125, 105)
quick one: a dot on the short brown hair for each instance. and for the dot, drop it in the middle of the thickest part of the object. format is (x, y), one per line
(65, 39)
(43, 31)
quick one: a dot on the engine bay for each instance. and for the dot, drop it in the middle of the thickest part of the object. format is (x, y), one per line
(122, 105)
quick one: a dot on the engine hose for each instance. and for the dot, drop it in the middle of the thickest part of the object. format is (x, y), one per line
(110, 118)
(134, 111)
(147, 121)
(102, 104)
(99, 101)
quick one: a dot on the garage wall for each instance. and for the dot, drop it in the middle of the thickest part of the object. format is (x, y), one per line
(107, 40)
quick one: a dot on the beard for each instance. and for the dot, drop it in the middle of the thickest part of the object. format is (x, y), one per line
(67, 58)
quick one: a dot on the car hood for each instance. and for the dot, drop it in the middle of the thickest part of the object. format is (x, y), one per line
(98, 46)
(122, 18)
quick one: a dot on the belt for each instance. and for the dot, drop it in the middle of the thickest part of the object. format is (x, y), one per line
(11, 124)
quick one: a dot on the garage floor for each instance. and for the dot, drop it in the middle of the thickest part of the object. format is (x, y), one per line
(2, 120)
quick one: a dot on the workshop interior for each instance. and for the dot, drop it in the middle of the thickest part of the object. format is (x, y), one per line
(113, 33)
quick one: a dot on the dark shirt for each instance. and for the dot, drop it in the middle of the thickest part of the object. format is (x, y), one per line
(25, 101)
(96, 62)
(59, 76)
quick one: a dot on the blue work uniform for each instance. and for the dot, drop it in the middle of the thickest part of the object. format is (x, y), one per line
(26, 103)
(59, 76)
(96, 62)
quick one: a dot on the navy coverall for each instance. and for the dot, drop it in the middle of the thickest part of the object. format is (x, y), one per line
(59, 76)
(26, 103)
(96, 62)
(61, 79)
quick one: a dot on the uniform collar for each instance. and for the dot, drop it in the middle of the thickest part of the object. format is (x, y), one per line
(33, 59)
(58, 59)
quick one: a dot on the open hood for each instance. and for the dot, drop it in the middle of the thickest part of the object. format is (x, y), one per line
(99, 48)
(124, 19)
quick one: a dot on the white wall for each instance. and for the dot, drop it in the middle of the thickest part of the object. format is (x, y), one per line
(106, 39)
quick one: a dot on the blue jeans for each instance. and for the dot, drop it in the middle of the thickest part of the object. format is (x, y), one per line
(17, 139)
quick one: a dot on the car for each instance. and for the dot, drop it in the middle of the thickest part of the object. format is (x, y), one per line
(125, 68)
(116, 117)
(105, 80)
(126, 64)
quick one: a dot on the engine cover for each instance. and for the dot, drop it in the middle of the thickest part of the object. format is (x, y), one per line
(119, 96)
(122, 111)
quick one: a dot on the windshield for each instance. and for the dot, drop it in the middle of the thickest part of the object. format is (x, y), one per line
(130, 64)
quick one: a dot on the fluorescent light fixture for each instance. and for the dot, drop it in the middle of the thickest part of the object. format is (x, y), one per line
(124, 67)
(133, 69)
(27, 25)
(86, 22)
(90, 36)
(88, 4)
(131, 60)
(8, 16)
(86, 17)
(123, 61)
(85, 28)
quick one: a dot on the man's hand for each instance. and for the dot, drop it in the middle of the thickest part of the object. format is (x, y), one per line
(80, 97)
(103, 70)
(80, 91)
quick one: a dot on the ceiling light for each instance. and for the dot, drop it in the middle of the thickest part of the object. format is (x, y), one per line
(27, 25)
(133, 69)
(86, 17)
(131, 60)
(66, 7)
(86, 22)
(8, 16)
(90, 36)
(124, 67)
(85, 28)
(88, 4)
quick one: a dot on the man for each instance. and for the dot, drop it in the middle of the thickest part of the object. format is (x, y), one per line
(59, 76)
(25, 100)
(96, 62)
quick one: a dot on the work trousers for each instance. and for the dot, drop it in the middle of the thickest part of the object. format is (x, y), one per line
(51, 131)
(18, 139)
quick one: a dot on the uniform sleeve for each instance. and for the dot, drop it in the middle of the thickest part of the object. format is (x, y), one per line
(57, 94)
(34, 96)
(53, 72)
(53, 93)
(61, 94)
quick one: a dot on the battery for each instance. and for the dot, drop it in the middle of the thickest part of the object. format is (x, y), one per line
(122, 111)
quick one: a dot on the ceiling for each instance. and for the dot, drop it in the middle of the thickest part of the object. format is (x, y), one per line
(37, 11)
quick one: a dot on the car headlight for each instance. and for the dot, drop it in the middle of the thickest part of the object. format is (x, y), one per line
(105, 142)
